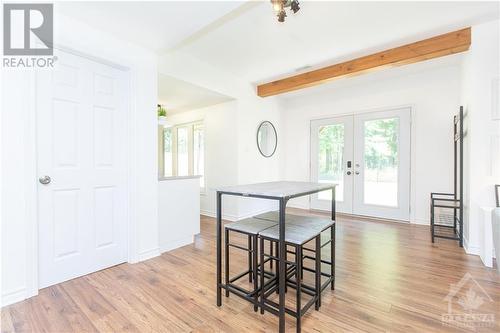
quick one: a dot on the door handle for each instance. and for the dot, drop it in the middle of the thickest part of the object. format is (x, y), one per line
(356, 172)
(44, 180)
(349, 173)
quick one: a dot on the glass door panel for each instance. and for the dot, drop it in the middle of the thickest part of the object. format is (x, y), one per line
(381, 162)
(331, 161)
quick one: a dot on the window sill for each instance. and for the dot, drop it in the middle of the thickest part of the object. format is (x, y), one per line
(177, 177)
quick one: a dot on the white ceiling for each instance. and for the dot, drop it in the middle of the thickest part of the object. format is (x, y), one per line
(255, 47)
(244, 38)
(156, 25)
(178, 96)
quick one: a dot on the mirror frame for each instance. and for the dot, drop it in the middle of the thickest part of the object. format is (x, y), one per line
(275, 135)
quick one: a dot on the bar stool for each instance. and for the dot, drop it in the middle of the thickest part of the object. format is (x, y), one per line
(314, 222)
(296, 235)
(250, 227)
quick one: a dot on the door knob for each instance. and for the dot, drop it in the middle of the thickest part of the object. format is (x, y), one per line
(44, 180)
(349, 173)
(356, 172)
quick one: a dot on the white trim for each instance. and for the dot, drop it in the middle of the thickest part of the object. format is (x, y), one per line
(91, 57)
(133, 255)
(172, 245)
(31, 193)
(474, 250)
(420, 221)
(14, 296)
(232, 217)
(228, 217)
(299, 205)
(364, 111)
(145, 255)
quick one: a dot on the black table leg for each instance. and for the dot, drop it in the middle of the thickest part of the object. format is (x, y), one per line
(282, 266)
(333, 241)
(219, 248)
(334, 208)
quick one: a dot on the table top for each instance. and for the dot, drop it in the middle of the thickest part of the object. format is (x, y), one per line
(280, 189)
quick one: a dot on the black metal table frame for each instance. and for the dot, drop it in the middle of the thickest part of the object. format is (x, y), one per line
(282, 245)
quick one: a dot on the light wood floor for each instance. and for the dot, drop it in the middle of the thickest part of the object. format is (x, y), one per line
(390, 277)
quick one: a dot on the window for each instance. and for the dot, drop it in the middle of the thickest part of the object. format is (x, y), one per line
(168, 152)
(184, 150)
(198, 152)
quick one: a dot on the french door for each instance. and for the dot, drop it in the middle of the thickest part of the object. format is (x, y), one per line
(368, 156)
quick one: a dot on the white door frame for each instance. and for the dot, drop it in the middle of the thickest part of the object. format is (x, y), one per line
(31, 182)
(413, 124)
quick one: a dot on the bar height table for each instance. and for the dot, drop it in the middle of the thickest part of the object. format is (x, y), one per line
(281, 191)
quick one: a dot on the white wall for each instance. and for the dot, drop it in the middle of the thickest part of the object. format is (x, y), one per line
(15, 208)
(252, 166)
(240, 120)
(481, 66)
(178, 212)
(432, 89)
(19, 249)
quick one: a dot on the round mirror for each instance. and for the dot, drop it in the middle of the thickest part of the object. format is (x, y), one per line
(267, 139)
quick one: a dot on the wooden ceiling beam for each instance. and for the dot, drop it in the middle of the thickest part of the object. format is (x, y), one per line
(439, 46)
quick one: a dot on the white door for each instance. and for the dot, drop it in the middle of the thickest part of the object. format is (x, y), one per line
(81, 114)
(331, 161)
(382, 164)
(374, 174)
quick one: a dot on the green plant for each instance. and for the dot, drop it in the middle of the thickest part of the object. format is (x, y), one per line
(162, 112)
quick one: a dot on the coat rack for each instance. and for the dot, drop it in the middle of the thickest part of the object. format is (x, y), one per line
(447, 208)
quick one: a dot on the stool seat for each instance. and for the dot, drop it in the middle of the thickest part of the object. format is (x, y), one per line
(316, 222)
(251, 226)
(298, 234)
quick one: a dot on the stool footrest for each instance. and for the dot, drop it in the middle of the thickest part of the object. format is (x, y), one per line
(240, 247)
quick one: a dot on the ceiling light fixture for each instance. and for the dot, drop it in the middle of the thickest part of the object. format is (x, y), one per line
(280, 5)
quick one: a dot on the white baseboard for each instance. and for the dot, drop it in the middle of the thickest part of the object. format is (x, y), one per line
(176, 244)
(14, 296)
(252, 214)
(145, 255)
(299, 206)
(228, 217)
(474, 250)
(420, 221)
(234, 218)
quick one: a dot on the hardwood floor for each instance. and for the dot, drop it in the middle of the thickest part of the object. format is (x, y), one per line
(390, 277)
